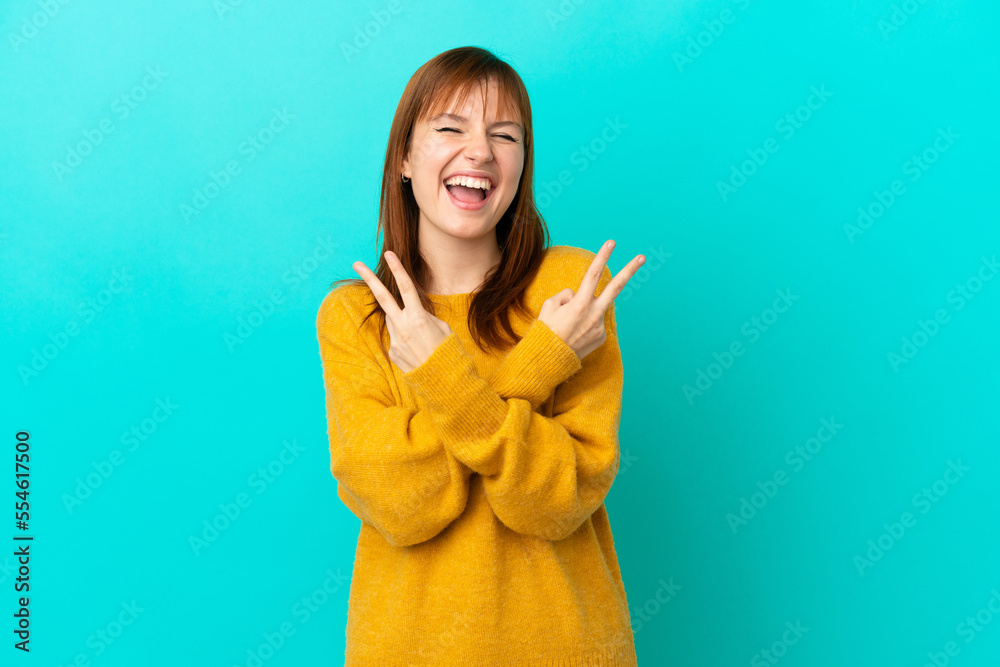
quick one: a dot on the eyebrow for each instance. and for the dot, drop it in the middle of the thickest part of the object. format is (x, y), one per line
(462, 119)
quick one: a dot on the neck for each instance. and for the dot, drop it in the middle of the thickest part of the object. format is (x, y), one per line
(457, 265)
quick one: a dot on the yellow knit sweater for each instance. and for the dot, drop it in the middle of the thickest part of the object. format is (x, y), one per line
(480, 484)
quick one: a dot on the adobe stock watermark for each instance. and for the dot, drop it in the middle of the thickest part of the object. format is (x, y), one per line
(296, 274)
(652, 606)
(87, 311)
(797, 458)
(923, 500)
(787, 126)
(132, 439)
(122, 106)
(564, 10)
(926, 330)
(105, 636)
(898, 17)
(968, 629)
(752, 329)
(372, 29)
(32, 25)
(303, 610)
(645, 272)
(713, 29)
(260, 481)
(249, 149)
(914, 167)
(225, 7)
(779, 648)
(581, 158)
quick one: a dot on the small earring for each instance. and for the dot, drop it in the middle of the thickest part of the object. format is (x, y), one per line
(404, 178)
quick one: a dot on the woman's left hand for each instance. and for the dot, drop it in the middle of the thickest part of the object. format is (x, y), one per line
(413, 332)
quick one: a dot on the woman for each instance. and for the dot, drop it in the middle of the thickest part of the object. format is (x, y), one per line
(478, 465)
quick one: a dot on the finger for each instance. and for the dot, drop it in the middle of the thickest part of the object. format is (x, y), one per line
(382, 295)
(617, 284)
(403, 281)
(442, 325)
(588, 285)
(565, 296)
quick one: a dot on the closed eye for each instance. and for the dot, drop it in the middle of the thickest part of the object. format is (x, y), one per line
(452, 129)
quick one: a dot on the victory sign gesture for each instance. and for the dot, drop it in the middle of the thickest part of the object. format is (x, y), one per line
(576, 317)
(413, 332)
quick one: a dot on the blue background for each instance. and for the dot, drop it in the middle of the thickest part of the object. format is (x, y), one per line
(211, 311)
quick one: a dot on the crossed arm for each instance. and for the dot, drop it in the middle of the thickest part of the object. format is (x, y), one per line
(406, 471)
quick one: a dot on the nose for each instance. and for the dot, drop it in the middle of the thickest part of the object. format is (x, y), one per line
(478, 148)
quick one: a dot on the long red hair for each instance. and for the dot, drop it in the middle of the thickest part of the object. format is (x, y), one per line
(521, 232)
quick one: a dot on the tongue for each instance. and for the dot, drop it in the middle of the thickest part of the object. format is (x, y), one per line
(468, 195)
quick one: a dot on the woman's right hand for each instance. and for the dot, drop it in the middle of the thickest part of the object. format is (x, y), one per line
(413, 332)
(578, 318)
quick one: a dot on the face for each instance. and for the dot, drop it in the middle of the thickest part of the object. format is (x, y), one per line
(470, 140)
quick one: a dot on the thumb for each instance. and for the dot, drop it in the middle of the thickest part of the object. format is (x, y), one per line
(441, 323)
(565, 296)
(554, 302)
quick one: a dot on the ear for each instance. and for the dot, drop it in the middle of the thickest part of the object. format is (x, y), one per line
(406, 166)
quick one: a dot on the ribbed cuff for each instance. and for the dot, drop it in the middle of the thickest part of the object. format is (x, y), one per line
(539, 363)
(466, 409)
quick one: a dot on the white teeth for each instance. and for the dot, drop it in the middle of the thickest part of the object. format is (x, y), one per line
(469, 182)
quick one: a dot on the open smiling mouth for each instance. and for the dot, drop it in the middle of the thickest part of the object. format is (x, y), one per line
(468, 198)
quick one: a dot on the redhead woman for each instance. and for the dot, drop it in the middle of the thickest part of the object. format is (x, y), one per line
(473, 396)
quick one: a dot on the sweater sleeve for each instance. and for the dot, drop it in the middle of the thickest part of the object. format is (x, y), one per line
(391, 467)
(520, 375)
(524, 374)
(544, 476)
